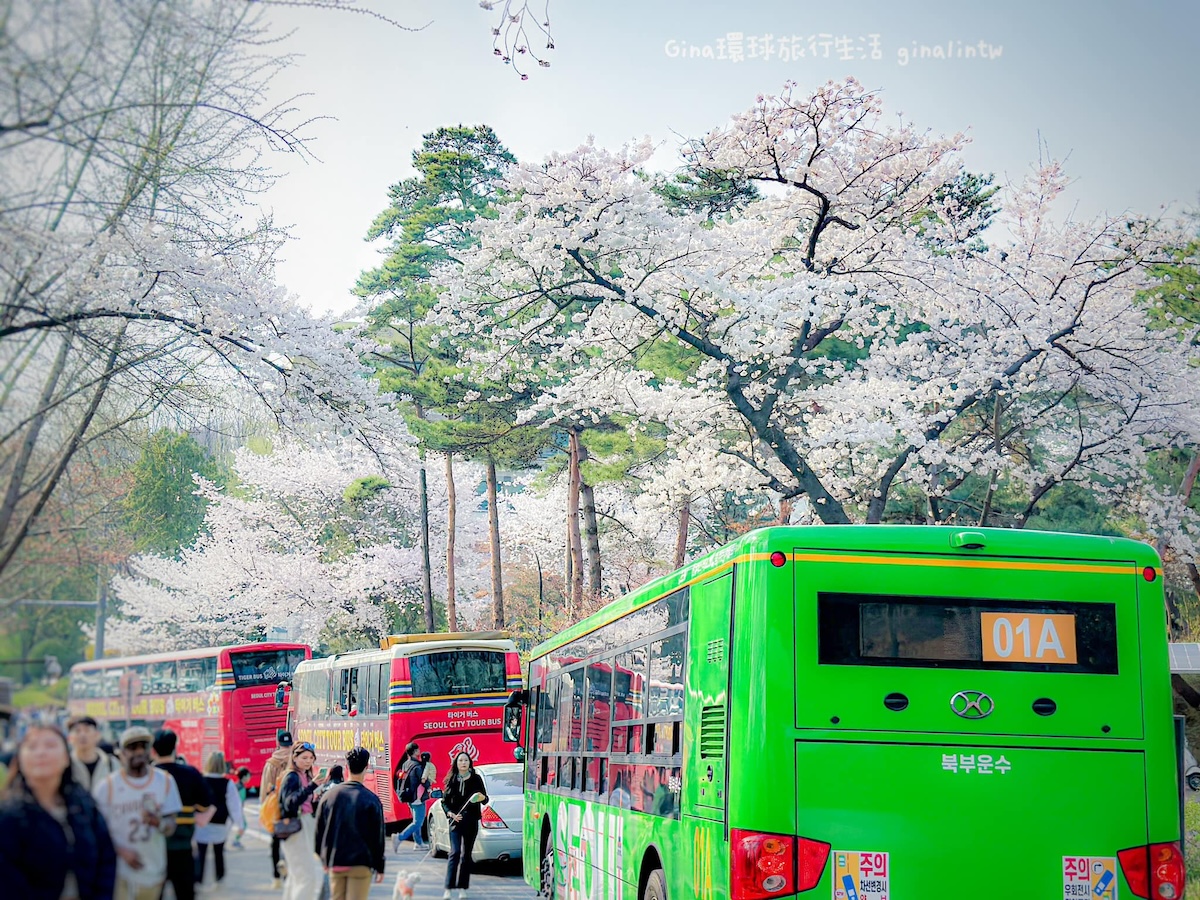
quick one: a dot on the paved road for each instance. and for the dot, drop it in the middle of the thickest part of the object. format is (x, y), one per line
(248, 873)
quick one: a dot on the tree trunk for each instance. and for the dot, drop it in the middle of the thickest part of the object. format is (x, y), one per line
(786, 506)
(576, 583)
(591, 529)
(451, 513)
(494, 535)
(591, 533)
(685, 519)
(426, 566)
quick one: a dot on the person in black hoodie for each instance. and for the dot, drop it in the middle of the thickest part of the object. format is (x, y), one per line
(463, 801)
(54, 843)
(350, 839)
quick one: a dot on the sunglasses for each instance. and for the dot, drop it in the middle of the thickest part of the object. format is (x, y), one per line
(300, 748)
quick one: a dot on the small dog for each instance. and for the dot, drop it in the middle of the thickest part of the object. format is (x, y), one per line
(405, 881)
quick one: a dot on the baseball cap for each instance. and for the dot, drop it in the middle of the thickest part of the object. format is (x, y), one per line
(135, 734)
(284, 738)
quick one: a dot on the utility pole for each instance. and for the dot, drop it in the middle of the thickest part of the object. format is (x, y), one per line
(101, 609)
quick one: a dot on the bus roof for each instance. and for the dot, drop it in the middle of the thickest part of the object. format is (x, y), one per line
(464, 640)
(1010, 542)
(175, 655)
(393, 640)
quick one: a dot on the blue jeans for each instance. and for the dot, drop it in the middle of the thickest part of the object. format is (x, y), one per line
(414, 829)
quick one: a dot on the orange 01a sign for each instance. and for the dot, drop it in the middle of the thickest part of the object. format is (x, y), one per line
(1028, 638)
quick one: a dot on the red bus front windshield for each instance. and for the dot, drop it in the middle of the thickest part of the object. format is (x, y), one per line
(254, 668)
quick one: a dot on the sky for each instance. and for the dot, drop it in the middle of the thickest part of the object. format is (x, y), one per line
(1107, 87)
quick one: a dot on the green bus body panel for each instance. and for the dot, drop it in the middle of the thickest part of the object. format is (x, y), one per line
(937, 826)
(877, 780)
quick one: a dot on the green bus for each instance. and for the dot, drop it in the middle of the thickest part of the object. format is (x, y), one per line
(861, 713)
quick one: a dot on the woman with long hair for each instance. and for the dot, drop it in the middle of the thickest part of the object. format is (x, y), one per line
(228, 811)
(304, 873)
(54, 844)
(463, 801)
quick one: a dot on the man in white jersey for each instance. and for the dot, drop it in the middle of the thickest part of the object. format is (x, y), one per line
(139, 804)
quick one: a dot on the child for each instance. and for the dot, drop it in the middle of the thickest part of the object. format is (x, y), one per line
(243, 778)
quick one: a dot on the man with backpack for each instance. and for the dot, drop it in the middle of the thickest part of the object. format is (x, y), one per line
(411, 791)
(272, 772)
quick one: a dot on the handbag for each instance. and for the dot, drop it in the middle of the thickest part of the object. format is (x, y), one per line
(285, 828)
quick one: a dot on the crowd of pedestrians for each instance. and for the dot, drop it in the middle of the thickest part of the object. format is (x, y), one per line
(79, 823)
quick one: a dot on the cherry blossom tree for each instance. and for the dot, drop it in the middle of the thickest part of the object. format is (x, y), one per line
(859, 342)
(286, 545)
(132, 138)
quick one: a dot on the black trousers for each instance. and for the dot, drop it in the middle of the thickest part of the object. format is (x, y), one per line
(274, 856)
(181, 873)
(458, 866)
(218, 860)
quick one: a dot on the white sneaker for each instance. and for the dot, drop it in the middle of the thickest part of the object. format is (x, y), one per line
(462, 895)
(445, 895)
(276, 884)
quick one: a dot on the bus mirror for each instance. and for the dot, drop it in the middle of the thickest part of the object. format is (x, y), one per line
(512, 724)
(281, 694)
(519, 753)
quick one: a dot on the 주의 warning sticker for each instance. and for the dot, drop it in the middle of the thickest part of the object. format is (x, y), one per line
(859, 875)
(1089, 878)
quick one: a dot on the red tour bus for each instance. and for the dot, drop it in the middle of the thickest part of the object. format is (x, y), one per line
(217, 698)
(444, 691)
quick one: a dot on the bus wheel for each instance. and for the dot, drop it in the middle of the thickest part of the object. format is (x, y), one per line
(656, 886)
(546, 888)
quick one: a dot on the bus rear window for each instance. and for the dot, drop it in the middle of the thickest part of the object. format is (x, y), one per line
(458, 672)
(264, 666)
(939, 632)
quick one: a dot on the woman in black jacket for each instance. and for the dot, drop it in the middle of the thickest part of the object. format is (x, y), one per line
(53, 840)
(296, 802)
(463, 802)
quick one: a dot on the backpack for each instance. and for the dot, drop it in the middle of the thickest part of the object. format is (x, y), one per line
(269, 811)
(412, 783)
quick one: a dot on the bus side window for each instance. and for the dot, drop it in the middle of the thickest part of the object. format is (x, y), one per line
(326, 688)
(368, 679)
(385, 687)
(341, 702)
(352, 698)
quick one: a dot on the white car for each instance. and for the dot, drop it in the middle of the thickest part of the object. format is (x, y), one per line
(503, 818)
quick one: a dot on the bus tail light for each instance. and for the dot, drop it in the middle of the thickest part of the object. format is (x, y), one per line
(491, 819)
(773, 865)
(813, 856)
(1155, 871)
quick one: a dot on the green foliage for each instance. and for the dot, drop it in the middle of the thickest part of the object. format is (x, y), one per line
(34, 632)
(1191, 845)
(162, 511)
(711, 192)
(39, 695)
(970, 197)
(365, 488)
